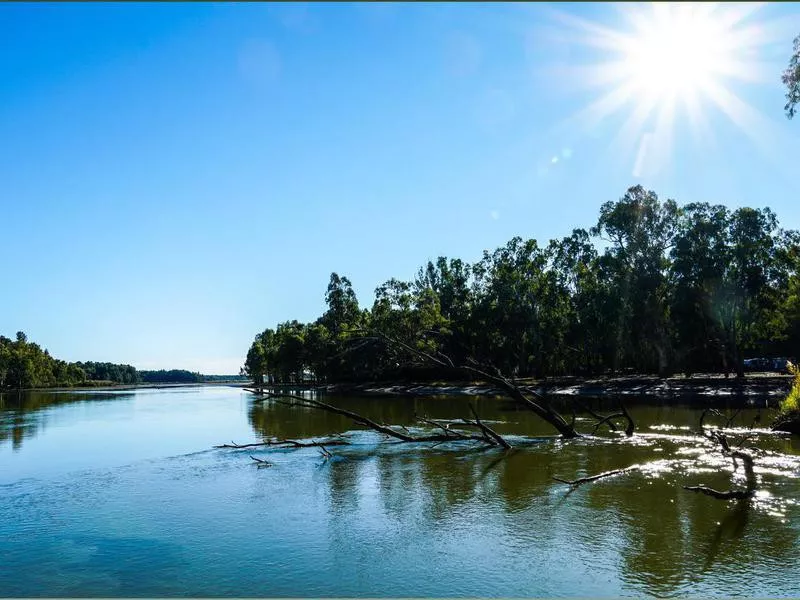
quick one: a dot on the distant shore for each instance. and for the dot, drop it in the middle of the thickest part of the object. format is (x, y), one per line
(709, 386)
(766, 384)
(756, 384)
(133, 386)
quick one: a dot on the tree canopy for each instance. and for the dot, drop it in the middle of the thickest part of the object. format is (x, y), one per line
(791, 79)
(25, 365)
(652, 287)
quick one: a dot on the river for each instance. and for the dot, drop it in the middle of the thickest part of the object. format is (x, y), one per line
(123, 494)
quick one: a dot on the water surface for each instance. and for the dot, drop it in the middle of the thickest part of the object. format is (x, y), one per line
(123, 494)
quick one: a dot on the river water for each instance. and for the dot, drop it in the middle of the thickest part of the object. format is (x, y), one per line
(122, 494)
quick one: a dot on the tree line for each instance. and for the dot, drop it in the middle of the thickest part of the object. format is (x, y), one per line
(25, 365)
(652, 287)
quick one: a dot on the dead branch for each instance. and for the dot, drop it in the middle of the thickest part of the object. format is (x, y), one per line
(582, 480)
(729, 495)
(369, 423)
(488, 431)
(444, 427)
(261, 463)
(631, 423)
(608, 420)
(536, 402)
(286, 443)
(597, 416)
(719, 438)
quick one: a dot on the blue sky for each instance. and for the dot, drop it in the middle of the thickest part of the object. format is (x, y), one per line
(176, 177)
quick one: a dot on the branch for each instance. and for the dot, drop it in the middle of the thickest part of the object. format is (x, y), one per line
(540, 405)
(729, 495)
(489, 431)
(583, 480)
(719, 438)
(287, 443)
(607, 420)
(369, 423)
(597, 416)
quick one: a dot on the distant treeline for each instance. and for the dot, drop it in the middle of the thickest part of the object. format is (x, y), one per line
(171, 376)
(653, 287)
(24, 365)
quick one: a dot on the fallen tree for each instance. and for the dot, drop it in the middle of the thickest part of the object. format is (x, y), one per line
(720, 439)
(464, 430)
(529, 399)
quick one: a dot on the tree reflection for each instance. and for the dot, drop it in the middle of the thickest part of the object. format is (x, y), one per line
(23, 414)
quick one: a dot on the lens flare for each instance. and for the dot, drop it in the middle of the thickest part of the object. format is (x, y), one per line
(667, 61)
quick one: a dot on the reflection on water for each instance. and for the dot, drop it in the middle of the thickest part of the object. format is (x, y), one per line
(380, 518)
(17, 410)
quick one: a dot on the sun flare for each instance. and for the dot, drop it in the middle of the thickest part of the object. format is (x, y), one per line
(669, 60)
(676, 53)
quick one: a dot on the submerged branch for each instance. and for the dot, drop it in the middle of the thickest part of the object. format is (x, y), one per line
(488, 431)
(719, 438)
(447, 436)
(582, 480)
(531, 399)
(729, 495)
(286, 443)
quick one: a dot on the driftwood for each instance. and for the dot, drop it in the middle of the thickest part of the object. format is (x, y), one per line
(286, 443)
(719, 438)
(531, 399)
(581, 480)
(261, 463)
(448, 435)
(488, 432)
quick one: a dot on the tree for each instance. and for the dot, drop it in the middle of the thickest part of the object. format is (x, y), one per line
(697, 288)
(641, 230)
(791, 79)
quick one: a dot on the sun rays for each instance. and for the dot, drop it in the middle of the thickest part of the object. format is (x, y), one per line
(667, 62)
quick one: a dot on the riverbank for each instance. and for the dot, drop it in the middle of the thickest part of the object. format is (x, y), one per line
(133, 386)
(760, 385)
(756, 385)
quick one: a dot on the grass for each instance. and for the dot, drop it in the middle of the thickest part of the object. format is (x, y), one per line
(792, 401)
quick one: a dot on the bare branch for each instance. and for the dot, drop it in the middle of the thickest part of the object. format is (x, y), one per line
(541, 406)
(583, 480)
(489, 431)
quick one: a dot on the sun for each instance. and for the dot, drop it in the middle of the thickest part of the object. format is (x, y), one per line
(665, 61)
(676, 52)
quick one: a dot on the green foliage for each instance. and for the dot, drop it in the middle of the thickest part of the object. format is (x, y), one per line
(791, 79)
(171, 376)
(24, 364)
(792, 402)
(105, 371)
(670, 288)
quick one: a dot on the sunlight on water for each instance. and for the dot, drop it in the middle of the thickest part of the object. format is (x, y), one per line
(126, 496)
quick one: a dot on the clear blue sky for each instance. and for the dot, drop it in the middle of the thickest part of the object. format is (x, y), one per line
(176, 177)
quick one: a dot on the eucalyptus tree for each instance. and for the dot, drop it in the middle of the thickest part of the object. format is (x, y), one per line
(791, 79)
(641, 229)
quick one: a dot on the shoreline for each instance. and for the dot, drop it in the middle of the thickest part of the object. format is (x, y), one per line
(702, 385)
(707, 386)
(121, 387)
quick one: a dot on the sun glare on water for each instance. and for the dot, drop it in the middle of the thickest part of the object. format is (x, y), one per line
(669, 59)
